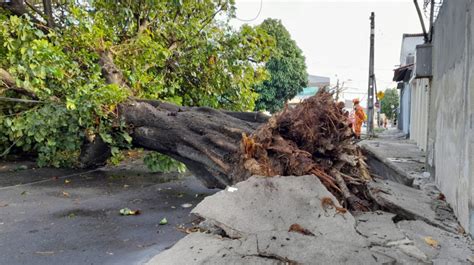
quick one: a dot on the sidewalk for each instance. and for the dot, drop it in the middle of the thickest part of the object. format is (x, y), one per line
(265, 221)
(392, 157)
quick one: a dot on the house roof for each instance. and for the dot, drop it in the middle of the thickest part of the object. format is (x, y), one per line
(408, 35)
(315, 80)
(403, 73)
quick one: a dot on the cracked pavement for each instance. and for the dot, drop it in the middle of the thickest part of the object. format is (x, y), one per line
(256, 229)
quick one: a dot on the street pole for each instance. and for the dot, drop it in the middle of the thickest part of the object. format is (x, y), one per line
(370, 91)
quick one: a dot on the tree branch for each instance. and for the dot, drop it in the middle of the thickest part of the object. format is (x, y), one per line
(17, 7)
(48, 12)
(110, 71)
(19, 100)
(9, 82)
(34, 8)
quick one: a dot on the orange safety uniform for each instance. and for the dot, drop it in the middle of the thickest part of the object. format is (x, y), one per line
(359, 118)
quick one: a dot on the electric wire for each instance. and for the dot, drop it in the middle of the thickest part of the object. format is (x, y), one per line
(250, 20)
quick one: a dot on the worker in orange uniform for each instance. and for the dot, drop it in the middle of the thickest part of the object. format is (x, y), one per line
(359, 117)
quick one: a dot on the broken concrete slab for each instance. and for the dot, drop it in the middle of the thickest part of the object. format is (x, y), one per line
(281, 220)
(408, 203)
(271, 247)
(303, 249)
(444, 212)
(202, 248)
(394, 160)
(414, 252)
(378, 227)
(392, 255)
(274, 204)
(451, 248)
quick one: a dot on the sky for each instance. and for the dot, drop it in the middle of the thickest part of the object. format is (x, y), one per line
(335, 35)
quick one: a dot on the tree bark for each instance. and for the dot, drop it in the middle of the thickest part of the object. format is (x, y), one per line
(48, 13)
(7, 82)
(205, 139)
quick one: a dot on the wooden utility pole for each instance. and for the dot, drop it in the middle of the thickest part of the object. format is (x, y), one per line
(370, 92)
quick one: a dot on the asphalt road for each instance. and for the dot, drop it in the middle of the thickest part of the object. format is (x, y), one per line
(50, 216)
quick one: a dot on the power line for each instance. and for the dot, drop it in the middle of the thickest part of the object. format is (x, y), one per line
(258, 14)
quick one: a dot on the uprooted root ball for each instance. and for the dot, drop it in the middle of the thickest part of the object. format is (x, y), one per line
(316, 138)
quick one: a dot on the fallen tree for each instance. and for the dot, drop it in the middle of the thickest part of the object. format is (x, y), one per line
(222, 148)
(87, 88)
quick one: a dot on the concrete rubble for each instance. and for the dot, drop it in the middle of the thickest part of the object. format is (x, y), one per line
(254, 223)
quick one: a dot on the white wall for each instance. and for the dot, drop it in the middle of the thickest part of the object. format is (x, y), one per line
(419, 111)
(409, 42)
(409, 47)
(405, 106)
(450, 128)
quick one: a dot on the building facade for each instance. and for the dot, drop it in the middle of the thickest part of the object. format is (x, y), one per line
(404, 76)
(450, 148)
(437, 109)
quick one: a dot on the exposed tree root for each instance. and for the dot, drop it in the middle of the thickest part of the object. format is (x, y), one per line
(313, 138)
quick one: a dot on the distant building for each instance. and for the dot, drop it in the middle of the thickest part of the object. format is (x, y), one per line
(314, 84)
(318, 81)
(403, 75)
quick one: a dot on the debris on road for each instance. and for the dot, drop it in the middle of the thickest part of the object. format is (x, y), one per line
(127, 211)
(430, 241)
(163, 221)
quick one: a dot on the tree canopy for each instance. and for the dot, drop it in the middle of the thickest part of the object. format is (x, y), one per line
(390, 99)
(287, 69)
(66, 65)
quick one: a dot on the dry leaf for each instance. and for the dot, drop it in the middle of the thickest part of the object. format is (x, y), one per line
(430, 241)
(299, 229)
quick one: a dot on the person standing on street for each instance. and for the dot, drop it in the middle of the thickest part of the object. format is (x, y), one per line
(359, 117)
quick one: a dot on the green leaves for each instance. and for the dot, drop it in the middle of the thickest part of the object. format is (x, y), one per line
(157, 162)
(390, 102)
(287, 69)
(163, 221)
(175, 51)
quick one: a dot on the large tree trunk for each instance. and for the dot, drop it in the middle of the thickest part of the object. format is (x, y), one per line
(222, 148)
(205, 139)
